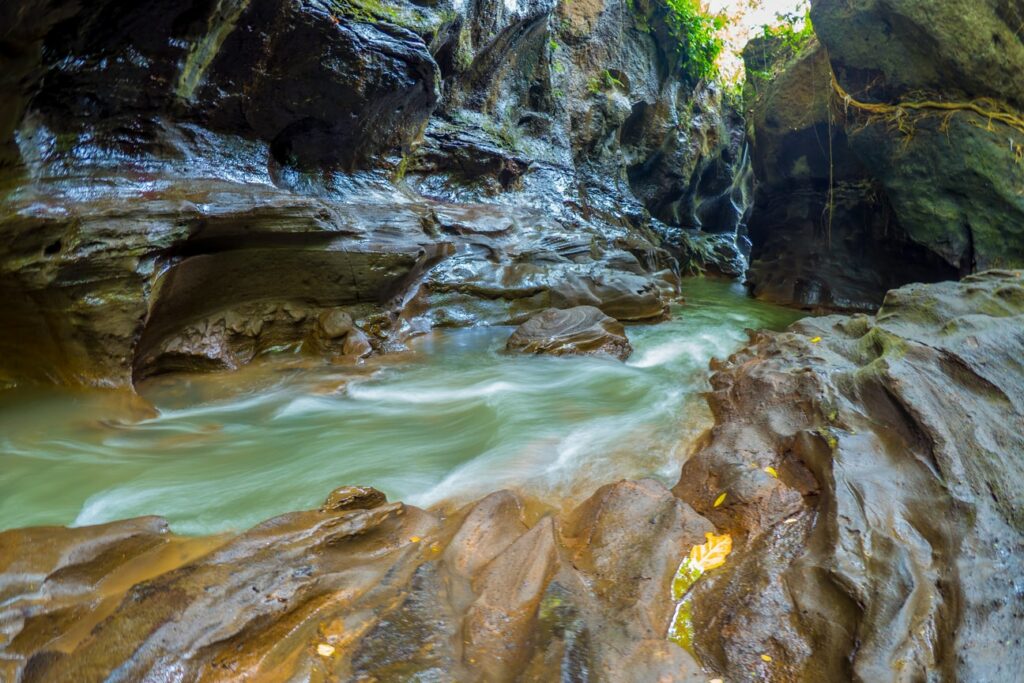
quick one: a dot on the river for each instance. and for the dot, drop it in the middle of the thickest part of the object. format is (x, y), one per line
(454, 418)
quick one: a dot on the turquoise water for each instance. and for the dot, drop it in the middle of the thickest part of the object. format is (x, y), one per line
(451, 420)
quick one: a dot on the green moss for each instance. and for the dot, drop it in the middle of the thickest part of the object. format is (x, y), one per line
(366, 11)
(830, 438)
(603, 81)
(681, 630)
(464, 50)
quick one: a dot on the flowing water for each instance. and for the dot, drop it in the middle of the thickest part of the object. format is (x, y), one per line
(451, 420)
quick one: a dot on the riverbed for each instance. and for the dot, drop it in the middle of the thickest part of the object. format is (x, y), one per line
(452, 419)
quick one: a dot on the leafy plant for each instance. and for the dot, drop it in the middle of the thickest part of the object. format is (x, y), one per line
(793, 31)
(696, 35)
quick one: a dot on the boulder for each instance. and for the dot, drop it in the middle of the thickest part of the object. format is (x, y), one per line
(578, 331)
(822, 235)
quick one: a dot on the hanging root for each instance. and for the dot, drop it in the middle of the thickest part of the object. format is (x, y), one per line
(901, 112)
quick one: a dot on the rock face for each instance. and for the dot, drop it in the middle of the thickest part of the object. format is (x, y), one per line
(359, 590)
(852, 201)
(891, 543)
(582, 330)
(189, 186)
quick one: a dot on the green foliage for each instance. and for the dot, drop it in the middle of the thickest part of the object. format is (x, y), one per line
(603, 81)
(696, 35)
(791, 38)
(777, 46)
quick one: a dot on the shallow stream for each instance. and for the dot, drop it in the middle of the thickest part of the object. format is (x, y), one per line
(451, 420)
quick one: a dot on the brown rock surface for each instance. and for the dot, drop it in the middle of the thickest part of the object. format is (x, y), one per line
(891, 544)
(394, 591)
(582, 330)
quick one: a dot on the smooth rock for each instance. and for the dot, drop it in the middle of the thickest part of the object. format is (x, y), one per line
(893, 533)
(583, 330)
(335, 324)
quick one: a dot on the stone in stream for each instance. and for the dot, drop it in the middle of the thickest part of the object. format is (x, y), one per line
(578, 331)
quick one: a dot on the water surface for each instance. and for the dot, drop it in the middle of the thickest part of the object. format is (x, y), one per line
(451, 420)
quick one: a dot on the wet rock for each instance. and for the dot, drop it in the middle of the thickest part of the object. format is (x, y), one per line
(500, 623)
(888, 531)
(335, 324)
(582, 330)
(356, 89)
(359, 589)
(357, 345)
(852, 202)
(184, 193)
(353, 498)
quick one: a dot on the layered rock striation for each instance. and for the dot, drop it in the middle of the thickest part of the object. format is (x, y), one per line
(188, 186)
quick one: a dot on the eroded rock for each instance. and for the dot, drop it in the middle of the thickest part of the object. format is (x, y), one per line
(582, 330)
(359, 589)
(887, 534)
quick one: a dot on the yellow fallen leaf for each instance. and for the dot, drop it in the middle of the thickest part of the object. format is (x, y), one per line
(771, 471)
(716, 680)
(435, 547)
(325, 650)
(791, 520)
(712, 554)
(719, 500)
(415, 539)
(766, 658)
(816, 340)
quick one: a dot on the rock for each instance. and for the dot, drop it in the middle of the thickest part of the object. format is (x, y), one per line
(822, 235)
(881, 43)
(582, 330)
(956, 185)
(853, 200)
(190, 188)
(622, 296)
(353, 498)
(335, 324)
(896, 441)
(355, 90)
(360, 588)
(357, 344)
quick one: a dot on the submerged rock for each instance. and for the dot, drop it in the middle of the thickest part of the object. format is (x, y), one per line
(578, 331)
